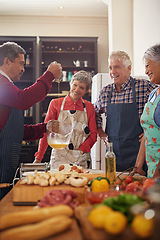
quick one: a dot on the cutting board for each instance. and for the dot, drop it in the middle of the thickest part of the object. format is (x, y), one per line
(91, 233)
(29, 194)
(24, 194)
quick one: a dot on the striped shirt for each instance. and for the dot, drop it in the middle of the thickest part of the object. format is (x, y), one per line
(142, 88)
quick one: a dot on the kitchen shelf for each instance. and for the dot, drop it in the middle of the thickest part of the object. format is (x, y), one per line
(66, 50)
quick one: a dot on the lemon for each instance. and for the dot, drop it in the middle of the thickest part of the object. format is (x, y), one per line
(142, 227)
(115, 222)
(98, 215)
(100, 185)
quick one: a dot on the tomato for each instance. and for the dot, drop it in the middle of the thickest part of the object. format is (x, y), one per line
(118, 182)
(149, 182)
(122, 186)
(128, 179)
(137, 182)
(125, 176)
(132, 187)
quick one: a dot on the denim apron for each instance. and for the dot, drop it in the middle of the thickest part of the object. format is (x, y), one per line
(79, 122)
(11, 137)
(123, 129)
(152, 138)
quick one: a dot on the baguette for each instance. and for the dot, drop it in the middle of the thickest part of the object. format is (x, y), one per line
(41, 230)
(33, 216)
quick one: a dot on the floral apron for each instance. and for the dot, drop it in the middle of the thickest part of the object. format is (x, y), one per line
(79, 122)
(152, 137)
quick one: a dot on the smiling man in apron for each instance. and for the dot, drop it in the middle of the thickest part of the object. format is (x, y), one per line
(80, 115)
(122, 102)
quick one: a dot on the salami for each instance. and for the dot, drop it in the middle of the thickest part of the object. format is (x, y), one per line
(58, 196)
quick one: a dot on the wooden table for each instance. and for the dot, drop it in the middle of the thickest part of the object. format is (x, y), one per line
(6, 206)
(80, 230)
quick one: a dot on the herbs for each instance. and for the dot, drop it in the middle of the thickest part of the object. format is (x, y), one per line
(122, 203)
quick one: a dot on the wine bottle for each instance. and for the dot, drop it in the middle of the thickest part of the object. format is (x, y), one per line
(27, 60)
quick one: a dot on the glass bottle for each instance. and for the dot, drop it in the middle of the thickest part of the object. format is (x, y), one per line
(27, 60)
(69, 76)
(110, 163)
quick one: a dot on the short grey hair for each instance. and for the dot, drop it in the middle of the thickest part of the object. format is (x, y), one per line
(153, 53)
(83, 77)
(10, 50)
(122, 57)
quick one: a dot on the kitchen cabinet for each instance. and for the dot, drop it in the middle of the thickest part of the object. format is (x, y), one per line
(74, 54)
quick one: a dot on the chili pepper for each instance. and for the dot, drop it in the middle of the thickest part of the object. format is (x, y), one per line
(99, 179)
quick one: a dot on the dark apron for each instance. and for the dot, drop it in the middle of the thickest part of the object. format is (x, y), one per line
(11, 137)
(123, 129)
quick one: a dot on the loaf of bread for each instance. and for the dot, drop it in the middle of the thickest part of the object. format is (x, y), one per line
(40, 230)
(33, 216)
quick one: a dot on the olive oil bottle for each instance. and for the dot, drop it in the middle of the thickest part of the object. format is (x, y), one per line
(110, 164)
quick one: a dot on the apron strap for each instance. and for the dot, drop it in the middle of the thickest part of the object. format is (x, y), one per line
(62, 105)
(84, 107)
(133, 90)
(110, 94)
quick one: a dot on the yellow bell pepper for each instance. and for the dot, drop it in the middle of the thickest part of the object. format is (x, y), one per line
(100, 185)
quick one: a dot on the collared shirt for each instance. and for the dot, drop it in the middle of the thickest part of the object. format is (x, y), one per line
(142, 88)
(1, 72)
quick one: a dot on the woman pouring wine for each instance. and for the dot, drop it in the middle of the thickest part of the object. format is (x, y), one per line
(78, 113)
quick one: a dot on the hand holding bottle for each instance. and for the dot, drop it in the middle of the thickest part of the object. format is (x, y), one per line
(56, 69)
